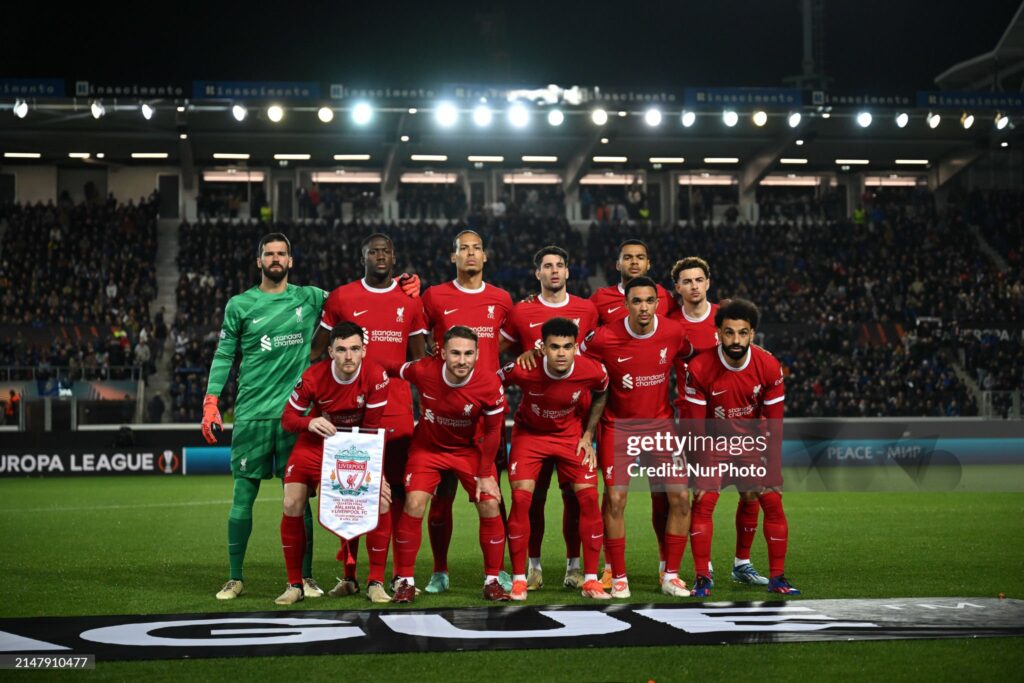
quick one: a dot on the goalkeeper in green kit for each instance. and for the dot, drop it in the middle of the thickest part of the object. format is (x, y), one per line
(272, 325)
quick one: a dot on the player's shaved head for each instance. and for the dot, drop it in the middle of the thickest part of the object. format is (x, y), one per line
(375, 236)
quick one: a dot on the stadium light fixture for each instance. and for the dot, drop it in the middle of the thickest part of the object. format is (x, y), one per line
(100, 155)
(22, 155)
(97, 109)
(599, 117)
(181, 109)
(933, 120)
(78, 155)
(730, 118)
(610, 160)
(667, 160)
(239, 112)
(902, 119)
(852, 162)
(518, 115)
(792, 161)
(556, 117)
(149, 155)
(864, 119)
(1002, 120)
(351, 157)
(912, 162)
(482, 115)
(446, 115)
(604, 141)
(183, 136)
(539, 159)
(20, 108)
(760, 118)
(230, 155)
(826, 114)
(485, 158)
(794, 119)
(362, 113)
(292, 157)
(721, 160)
(966, 120)
(1004, 144)
(429, 157)
(688, 118)
(413, 110)
(404, 138)
(652, 117)
(799, 143)
(147, 111)
(325, 114)
(275, 113)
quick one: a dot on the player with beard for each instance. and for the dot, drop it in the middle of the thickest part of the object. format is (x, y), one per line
(638, 352)
(633, 262)
(692, 278)
(395, 330)
(460, 426)
(522, 331)
(468, 301)
(272, 325)
(739, 382)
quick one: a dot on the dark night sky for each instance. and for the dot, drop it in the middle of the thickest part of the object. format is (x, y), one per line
(882, 45)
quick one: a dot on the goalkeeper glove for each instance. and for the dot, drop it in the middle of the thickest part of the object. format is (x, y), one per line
(211, 418)
(410, 284)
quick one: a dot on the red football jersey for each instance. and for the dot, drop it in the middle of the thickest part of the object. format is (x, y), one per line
(524, 323)
(638, 367)
(389, 318)
(358, 402)
(482, 310)
(610, 302)
(550, 403)
(703, 335)
(717, 390)
(449, 413)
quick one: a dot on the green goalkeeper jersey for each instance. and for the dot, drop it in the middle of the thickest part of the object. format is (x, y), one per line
(274, 333)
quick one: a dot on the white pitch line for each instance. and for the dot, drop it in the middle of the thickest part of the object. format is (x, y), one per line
(192, 503)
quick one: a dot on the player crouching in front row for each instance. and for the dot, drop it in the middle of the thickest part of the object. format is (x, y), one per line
(342, 392)
(457, 404)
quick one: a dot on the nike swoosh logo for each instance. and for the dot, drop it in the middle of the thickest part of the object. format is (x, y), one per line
(533, 394)
(428, 396)
(447, 312)
(500, 540)
(512, 538)
(772, 538)
(718, 393)
(377, 550)
(257, 321)
(612, 310)
(323, 403)
(623, 360)
(536, 324)
(589, 476)
(597, 536)
(696, 533)
(398, 541)
(356, 314)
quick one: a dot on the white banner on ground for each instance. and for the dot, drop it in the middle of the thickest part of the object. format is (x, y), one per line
(351, 475)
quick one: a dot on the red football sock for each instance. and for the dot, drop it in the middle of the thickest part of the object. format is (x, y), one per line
(407, 544)
(591, 528)
(659, 518)
(747, 512)
(520, 525)
(539, 500)
(377, 547)
(439, 527)
(615, 552)
(571, 524)
(702, 528)
(293, 542)
(776, 532)
(492, 543)
(675, 546)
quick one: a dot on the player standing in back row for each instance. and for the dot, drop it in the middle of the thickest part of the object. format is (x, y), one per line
(272, 325)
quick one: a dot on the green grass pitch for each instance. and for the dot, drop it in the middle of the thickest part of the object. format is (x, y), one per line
(122, 545)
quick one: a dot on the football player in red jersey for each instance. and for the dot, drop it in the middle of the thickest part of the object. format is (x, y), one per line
(467, 300)
(345, 391)
(459, 402)
(692, 278)
(739, 381)
(547, 428)
(522, 331)
(633, 261)
(395, 326)
(638, 352)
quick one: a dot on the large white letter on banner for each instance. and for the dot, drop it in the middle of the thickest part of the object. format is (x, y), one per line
(350, 479)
